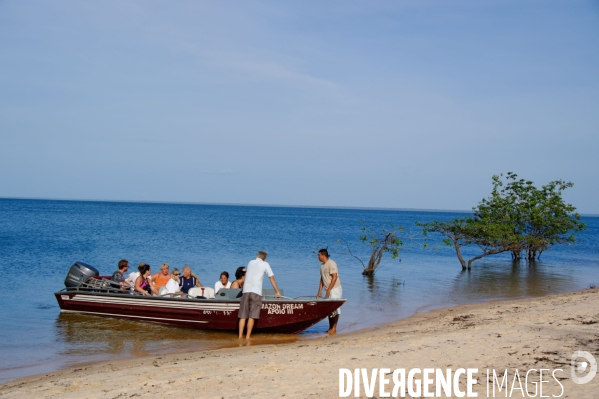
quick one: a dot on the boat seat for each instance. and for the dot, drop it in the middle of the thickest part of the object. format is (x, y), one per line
(270, 292)
(228, 293)
(205, 292)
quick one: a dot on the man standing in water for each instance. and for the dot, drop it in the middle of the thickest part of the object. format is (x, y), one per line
(329, 279)
(251, 300)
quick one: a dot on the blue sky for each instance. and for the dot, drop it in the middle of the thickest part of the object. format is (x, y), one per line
(406, 104)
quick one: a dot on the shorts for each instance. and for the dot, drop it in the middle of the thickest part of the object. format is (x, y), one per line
(336, 293)
(250, 306)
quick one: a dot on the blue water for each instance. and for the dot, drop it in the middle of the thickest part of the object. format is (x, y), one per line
(39, 240)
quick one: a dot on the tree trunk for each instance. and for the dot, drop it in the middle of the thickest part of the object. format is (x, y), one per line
(492, 252)
(531, 254)
(377, 256)
(516, 255)
(375, 260)
(476, 258)
(459, 254)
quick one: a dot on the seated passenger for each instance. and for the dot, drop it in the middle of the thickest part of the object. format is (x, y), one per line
(172, 287)
(188, 280)
(118, 277)
(223, 283)
(240, 276)
(143, 283)
(162, 278)
(133, 276)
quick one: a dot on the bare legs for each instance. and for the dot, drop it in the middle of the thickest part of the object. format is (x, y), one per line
(249, 330)
(250, 327)
(241, 327)
(333, 324)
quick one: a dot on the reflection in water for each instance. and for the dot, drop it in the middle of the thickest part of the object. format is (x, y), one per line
(382, 290)
(502, 280)
(378, 300)
(99, 338)
(372, 300)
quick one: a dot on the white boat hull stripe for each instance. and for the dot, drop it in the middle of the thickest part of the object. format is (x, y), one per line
(135, 317)
(155, 303)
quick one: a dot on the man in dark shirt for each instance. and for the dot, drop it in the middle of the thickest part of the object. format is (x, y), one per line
(118, 277)
(188, 280)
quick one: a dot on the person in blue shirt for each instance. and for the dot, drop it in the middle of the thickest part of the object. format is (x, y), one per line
(188, 280)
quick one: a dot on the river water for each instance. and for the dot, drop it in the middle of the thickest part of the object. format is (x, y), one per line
(40, 239)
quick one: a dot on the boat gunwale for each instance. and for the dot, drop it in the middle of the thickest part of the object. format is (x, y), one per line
(265, 299)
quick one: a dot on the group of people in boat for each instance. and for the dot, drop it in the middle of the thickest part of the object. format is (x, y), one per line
(175, 282)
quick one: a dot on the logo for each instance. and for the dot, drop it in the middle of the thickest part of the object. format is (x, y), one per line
(579, 367)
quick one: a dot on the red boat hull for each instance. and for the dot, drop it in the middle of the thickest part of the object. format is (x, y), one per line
(288, 316)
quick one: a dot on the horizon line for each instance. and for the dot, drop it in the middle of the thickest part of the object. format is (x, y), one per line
(259, 205)
(238, 204)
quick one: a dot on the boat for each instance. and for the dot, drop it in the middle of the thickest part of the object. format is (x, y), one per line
(89, 293)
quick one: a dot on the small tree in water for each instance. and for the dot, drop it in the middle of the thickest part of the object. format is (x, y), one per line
(381, 241)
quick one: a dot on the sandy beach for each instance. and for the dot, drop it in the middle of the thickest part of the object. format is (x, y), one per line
(534, 333)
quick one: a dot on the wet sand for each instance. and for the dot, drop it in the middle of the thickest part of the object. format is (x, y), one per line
(533, 333)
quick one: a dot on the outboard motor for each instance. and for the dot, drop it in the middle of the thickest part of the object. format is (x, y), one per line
(79, 273)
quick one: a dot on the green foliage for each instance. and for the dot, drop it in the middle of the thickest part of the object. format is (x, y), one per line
(535, 218)
(516, 217)
(384, 239)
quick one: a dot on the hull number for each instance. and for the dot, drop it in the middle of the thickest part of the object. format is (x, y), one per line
(225, 312)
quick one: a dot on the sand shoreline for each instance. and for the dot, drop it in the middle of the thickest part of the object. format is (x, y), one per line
(522, 334)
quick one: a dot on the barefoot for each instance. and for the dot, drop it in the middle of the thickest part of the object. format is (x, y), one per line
(332, 331)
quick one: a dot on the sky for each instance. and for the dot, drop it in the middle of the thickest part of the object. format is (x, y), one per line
(403, 104)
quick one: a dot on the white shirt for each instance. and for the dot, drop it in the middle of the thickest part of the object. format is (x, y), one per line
(255, 274)
(172, 287)
(220, 285)
(132, 277)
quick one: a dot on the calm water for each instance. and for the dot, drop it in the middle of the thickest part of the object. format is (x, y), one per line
(39, 240)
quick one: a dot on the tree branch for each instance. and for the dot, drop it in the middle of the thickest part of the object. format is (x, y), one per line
(351, 253)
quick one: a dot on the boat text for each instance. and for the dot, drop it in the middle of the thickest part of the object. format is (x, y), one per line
(282, 308)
